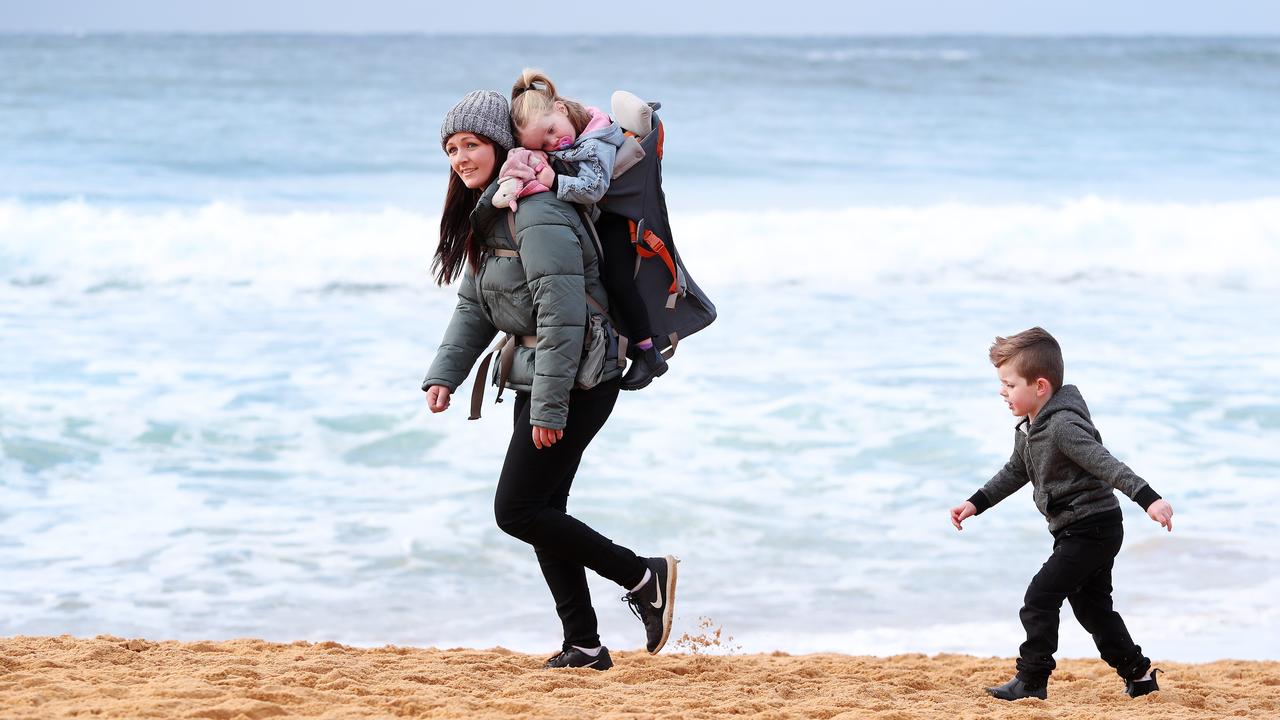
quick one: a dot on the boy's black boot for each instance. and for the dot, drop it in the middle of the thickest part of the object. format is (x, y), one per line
(1016, 689)
(1138, 688)
(647, 365)
(575, 658)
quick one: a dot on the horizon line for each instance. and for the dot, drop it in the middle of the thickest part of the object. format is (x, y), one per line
(611, 36)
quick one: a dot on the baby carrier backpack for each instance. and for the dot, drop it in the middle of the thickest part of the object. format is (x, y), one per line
(677, 307)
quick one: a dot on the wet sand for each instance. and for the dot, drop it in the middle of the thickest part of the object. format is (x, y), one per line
(64, 677)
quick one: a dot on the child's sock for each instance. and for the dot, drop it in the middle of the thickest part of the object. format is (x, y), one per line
(645, 344)
(590, 651)
(647, 574)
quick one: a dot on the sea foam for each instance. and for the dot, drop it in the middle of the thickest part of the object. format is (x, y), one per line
(80, 246)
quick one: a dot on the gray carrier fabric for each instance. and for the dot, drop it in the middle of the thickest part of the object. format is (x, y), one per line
(637, 194)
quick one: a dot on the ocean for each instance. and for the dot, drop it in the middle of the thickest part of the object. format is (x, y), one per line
(216, 310)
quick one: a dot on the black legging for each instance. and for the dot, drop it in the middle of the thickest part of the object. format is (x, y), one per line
(617, 272)
(530, 504)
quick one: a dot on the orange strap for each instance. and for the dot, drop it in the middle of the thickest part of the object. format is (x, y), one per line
(654, 247)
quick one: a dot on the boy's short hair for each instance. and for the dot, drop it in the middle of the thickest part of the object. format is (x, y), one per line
(1034, 354)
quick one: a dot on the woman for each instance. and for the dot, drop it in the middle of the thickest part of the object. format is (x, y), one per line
(537, 289)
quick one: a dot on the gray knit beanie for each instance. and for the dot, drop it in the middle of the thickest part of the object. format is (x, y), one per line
(483, 112)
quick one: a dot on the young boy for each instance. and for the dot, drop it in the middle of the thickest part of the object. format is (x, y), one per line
(1057, 450)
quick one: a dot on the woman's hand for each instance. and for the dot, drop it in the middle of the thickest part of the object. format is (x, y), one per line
(545, 437)
(438, 398)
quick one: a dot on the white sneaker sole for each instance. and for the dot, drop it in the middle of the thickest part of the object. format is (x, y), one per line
(668, 609)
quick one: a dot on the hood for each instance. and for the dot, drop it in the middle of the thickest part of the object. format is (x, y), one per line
(1067, 397)
(604, 128)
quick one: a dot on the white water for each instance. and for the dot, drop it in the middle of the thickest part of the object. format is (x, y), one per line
(212, 427)
(75, 246)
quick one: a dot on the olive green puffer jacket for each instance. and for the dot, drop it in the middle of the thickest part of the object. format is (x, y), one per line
(541, 293)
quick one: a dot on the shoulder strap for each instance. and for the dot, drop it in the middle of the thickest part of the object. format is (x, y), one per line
(503, 252)
(511, 228)
(623, 341)
(482, 376)
(591, 230)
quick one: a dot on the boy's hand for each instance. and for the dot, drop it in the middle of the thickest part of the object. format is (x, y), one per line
(1162, 512)
(967, 510)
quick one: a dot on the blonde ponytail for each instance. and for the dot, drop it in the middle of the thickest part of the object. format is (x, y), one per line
(530, 79)
(534, 95)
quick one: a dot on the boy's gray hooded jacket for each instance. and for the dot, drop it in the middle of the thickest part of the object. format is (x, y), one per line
(1071, 473)
(541, 293)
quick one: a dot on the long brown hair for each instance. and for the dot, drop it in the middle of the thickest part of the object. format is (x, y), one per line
(457, 240)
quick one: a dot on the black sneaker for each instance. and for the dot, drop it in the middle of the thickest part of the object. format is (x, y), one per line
(653, 602)
(575, 658)
(648, 365)
(1016, 689)
(1138, 688)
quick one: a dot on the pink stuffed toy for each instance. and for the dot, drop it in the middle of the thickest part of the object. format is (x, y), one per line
(519, 177)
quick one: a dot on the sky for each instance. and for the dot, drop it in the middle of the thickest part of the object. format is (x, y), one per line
(716, 17)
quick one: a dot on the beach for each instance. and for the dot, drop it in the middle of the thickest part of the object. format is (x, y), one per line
(217, 309)
(107, 676)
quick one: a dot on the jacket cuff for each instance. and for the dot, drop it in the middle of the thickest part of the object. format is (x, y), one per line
(1146, 496)
(426, 384)
(980, 501)
(549, 424)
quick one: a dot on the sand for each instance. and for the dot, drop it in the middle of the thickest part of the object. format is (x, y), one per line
(63, 677)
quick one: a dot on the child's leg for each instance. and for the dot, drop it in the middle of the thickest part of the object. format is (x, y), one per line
(1092, 606)
(1074, 560)
(617, 272)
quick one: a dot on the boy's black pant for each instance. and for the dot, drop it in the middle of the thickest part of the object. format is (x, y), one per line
(617, 273)
(530, 503)
(1079, 571)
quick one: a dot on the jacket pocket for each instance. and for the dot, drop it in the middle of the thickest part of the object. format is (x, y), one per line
(1041, 498)
(521, 377)
(1062, 503)
(511, 310)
